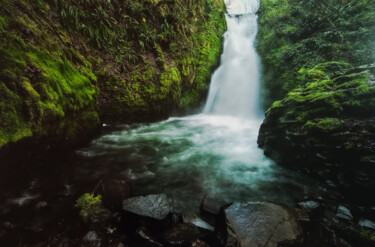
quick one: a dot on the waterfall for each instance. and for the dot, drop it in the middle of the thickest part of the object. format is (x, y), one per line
(234, 89)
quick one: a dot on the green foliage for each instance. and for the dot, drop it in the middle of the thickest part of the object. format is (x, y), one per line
(297, 34)
(328, 97)
(326, 124)
(91, 208)
(42, 92)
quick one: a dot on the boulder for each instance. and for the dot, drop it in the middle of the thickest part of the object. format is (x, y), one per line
(154, 206)
(261, 224)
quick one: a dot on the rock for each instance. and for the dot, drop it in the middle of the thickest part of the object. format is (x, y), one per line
(113, 191)
(309, 205)
(192, 218)
(199, 243)
(261, 224)
(211, 205)
(344, 213)
(91, 239)
(154, 206)
(146, 239)
(367, 223)
(183, 234)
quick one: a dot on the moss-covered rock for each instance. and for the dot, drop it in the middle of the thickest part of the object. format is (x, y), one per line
(43, 93)
(67, 65)
(328, 124)
(303, 33)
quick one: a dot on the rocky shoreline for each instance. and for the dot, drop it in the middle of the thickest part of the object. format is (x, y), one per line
(315, 221)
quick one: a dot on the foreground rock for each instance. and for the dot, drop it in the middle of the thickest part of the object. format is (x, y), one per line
(261, 224)
(155, 206)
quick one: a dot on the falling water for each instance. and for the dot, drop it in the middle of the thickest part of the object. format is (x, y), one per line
(234, 87)
(213, 153)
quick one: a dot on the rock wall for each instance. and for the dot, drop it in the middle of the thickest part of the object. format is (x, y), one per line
(322, 119)
(66, 66)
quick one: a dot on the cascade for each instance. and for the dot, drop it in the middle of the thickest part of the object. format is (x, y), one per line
(234, 88)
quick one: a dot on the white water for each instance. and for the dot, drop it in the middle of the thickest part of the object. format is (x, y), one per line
(214, 153)
(234, 87)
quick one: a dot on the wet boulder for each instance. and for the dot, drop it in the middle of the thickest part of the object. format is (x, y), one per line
(261, 224)
(154, 206)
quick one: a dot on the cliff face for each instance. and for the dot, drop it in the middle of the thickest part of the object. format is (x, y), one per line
(66, 66)
(323, 119)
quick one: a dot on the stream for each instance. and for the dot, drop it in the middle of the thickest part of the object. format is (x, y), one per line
(213, 153)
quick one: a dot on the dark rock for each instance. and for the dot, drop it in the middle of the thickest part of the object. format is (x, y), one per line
(211, 205)
(344, 213)
(192, 218)
(145, 238)
(154, 206)
(183, 234)
(261, 224)
(199, 243)
(91, 239)
(367, 223)
(309, 205)
(113, 191)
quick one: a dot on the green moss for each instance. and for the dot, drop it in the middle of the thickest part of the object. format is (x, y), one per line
(326, 124)
(43, 92)
(306, 34)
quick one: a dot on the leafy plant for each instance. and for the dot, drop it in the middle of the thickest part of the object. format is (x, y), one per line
(91, 207)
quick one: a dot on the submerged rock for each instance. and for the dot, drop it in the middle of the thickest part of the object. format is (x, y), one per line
(261, 224)
(154, 206)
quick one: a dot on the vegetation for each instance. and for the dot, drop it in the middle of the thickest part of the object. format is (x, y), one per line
(297, 34)
(67, 65)
(91, 207)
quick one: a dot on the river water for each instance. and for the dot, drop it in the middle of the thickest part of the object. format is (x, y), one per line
(211, 154)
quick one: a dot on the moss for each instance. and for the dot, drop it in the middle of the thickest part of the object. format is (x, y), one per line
(303, 34)
(326, 98)
(327, 124)
(43, 92)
